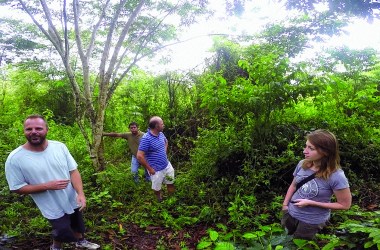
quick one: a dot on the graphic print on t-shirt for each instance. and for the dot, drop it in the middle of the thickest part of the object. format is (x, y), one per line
(309, 189)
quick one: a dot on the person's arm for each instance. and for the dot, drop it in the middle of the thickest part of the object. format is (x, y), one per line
(76, 181)
(141, 158)
(37, 188)
(289, 194)
(343, 201)
(166, 145)
(113, 134)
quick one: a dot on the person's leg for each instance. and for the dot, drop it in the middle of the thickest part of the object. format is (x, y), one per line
(157, 184)
(171, 188)
(147, 175)
(289, 223)
(158, 195)
(62, 231)
(307, 231)
(77, 225)
(169, 178)
(135, 169)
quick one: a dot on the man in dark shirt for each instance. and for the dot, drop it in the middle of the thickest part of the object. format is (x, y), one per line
(133, 137)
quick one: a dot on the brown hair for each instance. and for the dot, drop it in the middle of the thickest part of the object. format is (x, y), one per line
(37, 116)
(325, 143)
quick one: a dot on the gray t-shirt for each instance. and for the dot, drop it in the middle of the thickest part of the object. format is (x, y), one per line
(318, 189)
(25, 167)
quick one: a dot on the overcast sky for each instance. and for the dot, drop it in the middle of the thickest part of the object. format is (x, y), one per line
(191, 54)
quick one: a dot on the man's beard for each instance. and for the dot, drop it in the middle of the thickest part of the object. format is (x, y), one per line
(32, 140)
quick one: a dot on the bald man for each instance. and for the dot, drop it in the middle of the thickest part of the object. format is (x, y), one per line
(152, 154)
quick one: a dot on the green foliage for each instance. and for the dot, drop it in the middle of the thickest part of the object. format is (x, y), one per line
(259, 120)
(266, 237)
(244, 213)
(16, 212)
(338, 7)
(216, 240)
(17, 46)
(168, 96)
(122, 178)
(355, 228)
(305, 244)
(32, 91)
(235, 133)
(39, 225)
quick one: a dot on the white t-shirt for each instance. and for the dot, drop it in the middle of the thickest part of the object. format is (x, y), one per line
(25, 167)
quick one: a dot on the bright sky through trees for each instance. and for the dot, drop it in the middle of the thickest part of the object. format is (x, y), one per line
(191, 54)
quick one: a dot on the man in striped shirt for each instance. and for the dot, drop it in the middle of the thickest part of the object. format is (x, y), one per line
(152, 155)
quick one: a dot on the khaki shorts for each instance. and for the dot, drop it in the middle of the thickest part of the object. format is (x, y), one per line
(300, 229)
(165, 176)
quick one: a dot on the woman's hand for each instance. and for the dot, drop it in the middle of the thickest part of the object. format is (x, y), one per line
(303, 202)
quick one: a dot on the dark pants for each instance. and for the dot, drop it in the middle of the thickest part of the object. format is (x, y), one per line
(65, 227)
(300, 229)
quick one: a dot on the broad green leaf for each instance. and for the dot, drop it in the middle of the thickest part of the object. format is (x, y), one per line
(214, 235)
(204, 244)
(224, 246)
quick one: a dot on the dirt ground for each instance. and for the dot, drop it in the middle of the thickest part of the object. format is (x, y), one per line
(135, 238)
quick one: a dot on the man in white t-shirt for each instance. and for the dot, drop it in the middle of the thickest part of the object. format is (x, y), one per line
(46, 171)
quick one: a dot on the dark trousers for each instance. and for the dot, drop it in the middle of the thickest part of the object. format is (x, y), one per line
(64, 228)
(300, 229)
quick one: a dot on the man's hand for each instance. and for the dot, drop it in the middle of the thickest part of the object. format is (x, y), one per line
(81, 200)
(57, 184)
(43, 187)
(141, 158)
(151, 171)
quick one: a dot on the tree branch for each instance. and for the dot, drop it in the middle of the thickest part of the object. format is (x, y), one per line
(51, 28)
(121, 39)
(95, 30)
(108, 42)
(85, 62)
(44, 31)
(67, 48)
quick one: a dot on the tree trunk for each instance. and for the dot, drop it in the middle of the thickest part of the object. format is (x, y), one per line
(97, 157)
(97, 150)
(125, 42)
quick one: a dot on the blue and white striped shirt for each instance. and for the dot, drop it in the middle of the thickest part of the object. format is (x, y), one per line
(154, 148)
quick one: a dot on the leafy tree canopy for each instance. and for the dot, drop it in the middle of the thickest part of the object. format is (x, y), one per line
(363, 8)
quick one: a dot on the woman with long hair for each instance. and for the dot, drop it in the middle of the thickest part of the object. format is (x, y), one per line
(317, 178)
